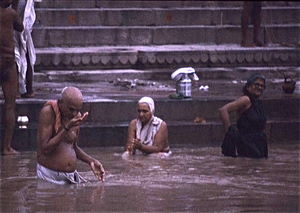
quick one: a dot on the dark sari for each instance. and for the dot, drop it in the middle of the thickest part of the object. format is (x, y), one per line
(250, 139)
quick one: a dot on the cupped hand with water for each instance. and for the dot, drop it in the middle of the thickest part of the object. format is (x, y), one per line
(77, 120)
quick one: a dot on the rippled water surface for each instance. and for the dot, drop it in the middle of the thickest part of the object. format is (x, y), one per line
(190, 180)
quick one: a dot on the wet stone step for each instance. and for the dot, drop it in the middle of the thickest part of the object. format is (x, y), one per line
(158, 16)
(112, 109)
(150, 4)
(209, 134)
(155, 75)
(160, 35)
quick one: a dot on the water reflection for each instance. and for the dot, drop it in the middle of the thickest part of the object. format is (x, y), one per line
(191, 179)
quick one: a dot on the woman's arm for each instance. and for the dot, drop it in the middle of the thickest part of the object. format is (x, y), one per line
(241, 103)
(131, 134)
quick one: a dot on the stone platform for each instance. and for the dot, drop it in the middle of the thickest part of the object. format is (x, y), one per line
(163, 57)
(112, 105)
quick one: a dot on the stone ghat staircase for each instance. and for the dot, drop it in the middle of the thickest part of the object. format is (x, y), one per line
(90, 44)
(143, 35)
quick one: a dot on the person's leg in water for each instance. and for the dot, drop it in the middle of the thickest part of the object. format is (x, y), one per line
(29, 79)
(256, 17)
(9, 87)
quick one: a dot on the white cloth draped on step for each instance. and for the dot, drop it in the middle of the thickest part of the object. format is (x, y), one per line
(23, 43)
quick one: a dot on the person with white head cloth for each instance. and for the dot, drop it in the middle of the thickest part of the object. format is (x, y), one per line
(147, 133)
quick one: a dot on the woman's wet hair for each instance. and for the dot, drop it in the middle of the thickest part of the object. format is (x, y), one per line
(251, 80)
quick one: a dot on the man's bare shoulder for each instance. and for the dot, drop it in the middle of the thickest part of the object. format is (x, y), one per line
(8, 11)
(47, 114)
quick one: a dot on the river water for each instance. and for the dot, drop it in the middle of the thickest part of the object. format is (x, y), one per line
(193, 179)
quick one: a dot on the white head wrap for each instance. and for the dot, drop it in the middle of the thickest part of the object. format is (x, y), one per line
(150, 103)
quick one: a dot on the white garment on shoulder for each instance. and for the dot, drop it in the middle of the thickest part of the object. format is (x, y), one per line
(148, 132)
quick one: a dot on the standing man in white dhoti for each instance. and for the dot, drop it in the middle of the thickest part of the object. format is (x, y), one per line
(25, 55)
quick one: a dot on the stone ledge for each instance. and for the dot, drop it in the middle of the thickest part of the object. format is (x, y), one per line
(159, 16)
(164, 56)
(147, 35)
(180, 133)
(100, 110)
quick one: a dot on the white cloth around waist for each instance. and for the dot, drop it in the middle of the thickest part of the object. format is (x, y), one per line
(58, 177)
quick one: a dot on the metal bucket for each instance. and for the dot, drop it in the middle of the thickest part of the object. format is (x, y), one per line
(184, 87)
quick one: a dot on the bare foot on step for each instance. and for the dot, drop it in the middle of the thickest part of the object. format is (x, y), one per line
(10, 151)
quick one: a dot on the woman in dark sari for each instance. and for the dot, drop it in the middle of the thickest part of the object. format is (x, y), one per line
(249, 140)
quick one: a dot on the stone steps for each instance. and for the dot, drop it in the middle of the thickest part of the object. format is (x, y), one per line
(193, 16)
(159, 34)
(180, 133)
(144, 35)
(112, 107)
(116, 109)
(194, 23)
(204, 73)
(163, 56)
(149, 4)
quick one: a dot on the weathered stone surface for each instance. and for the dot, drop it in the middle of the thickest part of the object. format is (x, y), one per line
(170, 59)
(151, 58)
(204, 57)
(143, 59)
(186, 58)
(66, 59)
(96, 59)
(258, 57)
(133, 59)
(178, 59)
(240, 57)
(105, 60)
(267, 56)
(213, 57)
(284, 56)
(76, 59)
(86, 59)
(160, 59)
(249, 57)
(196, 58)
(123, 59)
(231, 58)
(46, 60)
(222, 57)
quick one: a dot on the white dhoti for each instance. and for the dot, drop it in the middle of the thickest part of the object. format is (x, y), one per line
(58, 177)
